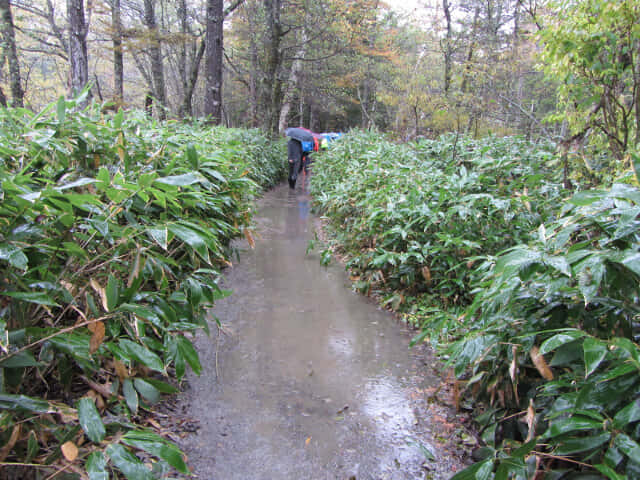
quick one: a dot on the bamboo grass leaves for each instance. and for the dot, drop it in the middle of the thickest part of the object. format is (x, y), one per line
(113, 233)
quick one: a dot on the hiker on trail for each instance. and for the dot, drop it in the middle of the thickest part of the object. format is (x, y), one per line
(294, 154)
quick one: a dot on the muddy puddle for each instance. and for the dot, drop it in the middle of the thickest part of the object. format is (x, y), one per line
(307, 379)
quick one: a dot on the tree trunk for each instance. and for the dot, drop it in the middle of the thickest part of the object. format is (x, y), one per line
(448, 50)
(155, 52)
(10, 51)
(213, 61)
(78, 60)
(272, 83)
(294, 82)
(187, 109)
(118, 58)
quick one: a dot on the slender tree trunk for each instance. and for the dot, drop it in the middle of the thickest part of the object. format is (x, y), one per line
(10, 51)
(294, 82)
(448, 49)
(78, 59)
(3, 98)
(253, 83)
(155, 50)
(187, 108)
(273, 84)
(118, 58)
(213, 61)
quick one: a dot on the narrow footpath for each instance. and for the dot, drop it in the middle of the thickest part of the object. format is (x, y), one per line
(307, 380)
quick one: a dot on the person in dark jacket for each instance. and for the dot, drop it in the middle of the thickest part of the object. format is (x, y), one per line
(294, 154)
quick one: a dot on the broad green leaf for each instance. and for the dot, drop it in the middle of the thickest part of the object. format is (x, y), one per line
(629, 414)
(572, 424)
(32, 446)
(90, 420)
(478, 471)
(113, 293)
(158, 446)
(161, 386)
(141, 354)
(96, 467)
(130, 395)
(560, 339)
(127, 463)
(594, 352)
(22, 402)
(20, 360)
(61, 109)
(511, 468)
(81, 182)
(39, 298)
(581, 444)
(192, 238)
(14, 256)
(150, 393)
(181, 180)
(160, 236)
(609, 472)
(118, 118)
(185, 347)
(628, 446)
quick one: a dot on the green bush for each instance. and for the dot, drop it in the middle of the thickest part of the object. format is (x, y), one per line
(414, 217)
(113, 232)
(553, 332)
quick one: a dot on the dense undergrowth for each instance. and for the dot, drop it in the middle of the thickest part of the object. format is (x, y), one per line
(529, 291)
(113, 233)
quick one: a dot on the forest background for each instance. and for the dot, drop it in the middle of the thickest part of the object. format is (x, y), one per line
(463, 65)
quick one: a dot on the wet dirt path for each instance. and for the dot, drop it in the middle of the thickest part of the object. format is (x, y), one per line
(308, 380)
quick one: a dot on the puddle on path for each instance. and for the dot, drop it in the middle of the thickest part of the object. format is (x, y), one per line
(310, 380)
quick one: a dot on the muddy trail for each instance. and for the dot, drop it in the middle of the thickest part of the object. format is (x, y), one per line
(308, 380)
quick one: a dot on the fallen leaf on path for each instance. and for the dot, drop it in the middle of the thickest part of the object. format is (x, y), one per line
(70, 451)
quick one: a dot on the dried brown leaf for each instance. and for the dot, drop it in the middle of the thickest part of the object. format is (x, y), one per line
(531, 419)
(249, 237)
(97, 337)
(426, 274)
(540, 363)
(15, 434)
(70, 451)
(121, 369)
(100, 291)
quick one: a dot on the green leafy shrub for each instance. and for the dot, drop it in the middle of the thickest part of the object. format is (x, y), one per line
(413, 218)
(113, 232)
(552, 333)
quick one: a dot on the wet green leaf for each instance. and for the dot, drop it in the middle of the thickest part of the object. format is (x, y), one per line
(127, 463)
(582, 444)
(90, 420)
(20, 360)
(150, 393)
(478, 471)
(560, 339)
(39, 298)
(158, 446)
(130, 395)
(185, 347)
(628, 446)
(629, 414)
(594, 352)
(96, 466)
(141, 354)
(572, 424)
(22, 402)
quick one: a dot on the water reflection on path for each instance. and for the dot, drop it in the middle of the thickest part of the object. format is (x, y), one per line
(312, 380)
